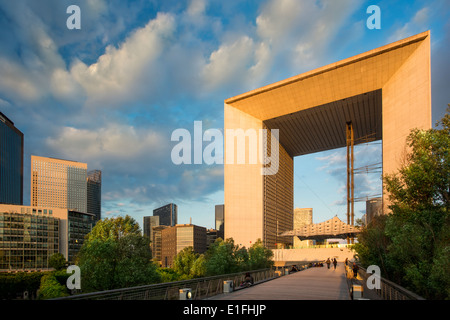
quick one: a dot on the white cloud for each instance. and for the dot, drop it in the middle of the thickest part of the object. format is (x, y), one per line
(126, 73)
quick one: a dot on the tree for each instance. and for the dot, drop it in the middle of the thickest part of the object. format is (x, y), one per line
(51, 288)
(116, 255)
(221, 258)
(260, 257)
(184, 261)
(411, 244)
(57, 261)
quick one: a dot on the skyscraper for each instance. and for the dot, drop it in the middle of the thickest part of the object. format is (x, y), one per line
(167, 214)
(220, 222)
(94, 193)
(58, 183)
(11, 162)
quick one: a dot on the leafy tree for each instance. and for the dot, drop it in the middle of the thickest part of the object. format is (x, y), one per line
(184, 261)
(223, 257)
(51, 288)
(57, 261)
(412, 243)
(260, 257)
(116, 255)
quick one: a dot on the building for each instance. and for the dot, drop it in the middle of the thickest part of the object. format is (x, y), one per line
(157, 243)
(149, 223)
(211, 236)
(302, 217)
(178, 237)
(30, 235)
(58, 183)
(374, 207)
(11, 162)
(382, 93)
(94, 193)
(167, 214)
(220, 220)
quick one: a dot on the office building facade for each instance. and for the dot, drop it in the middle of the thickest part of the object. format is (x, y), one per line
(302, 217)
(30, 235)
(220, 220)
(58, 183)
(168, 214)
(382, 93)
(11, 162)
(178, 237)
(94, 194)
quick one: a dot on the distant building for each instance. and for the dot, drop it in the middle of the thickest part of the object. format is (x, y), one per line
(149, 223)
(167, 214)
(178, 237)
(11, 162)
(374, 207)
(220, 220)
(302, 217)
(58, 183)
(157, 243)
(30, 235)
(211, 236)
(94, 193)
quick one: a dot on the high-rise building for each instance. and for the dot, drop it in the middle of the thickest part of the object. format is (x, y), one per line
(220, 221)
(302, 217)
(30, 235)
(167, 214)
(11, 162)
(58, 183)
(178, 237)
(94, 193)
(149, 223)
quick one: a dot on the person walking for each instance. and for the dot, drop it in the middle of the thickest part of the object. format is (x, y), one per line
(328, 263)
(334, 263)
(355, 270)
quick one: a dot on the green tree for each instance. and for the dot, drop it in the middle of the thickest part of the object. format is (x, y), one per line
(260, 257)
(411, 244)
(51, 288)
(57, 261)
(221, 257)
(184, 262)
(116, 255)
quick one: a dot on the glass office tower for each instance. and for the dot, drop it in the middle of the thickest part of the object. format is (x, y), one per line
(11, 162)
(58, 183)
(94, 193)
(168, 214)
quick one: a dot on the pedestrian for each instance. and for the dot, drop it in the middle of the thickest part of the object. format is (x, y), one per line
(346, 261)
(334, 263)
(328, 263)
(355, 270)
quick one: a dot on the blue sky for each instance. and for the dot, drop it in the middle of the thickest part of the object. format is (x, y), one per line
(111, 93)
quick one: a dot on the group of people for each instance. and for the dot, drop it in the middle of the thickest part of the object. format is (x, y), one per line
(334, 261)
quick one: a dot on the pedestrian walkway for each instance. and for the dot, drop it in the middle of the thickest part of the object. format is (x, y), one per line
(319, 283)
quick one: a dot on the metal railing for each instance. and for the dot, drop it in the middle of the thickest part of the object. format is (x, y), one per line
(388, 290)
(201, 288)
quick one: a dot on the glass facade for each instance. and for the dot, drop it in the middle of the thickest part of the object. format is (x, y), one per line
(27, 241)
(167, 214)
(80, 224)
(58, 183)
(94, 193)
(11, 162)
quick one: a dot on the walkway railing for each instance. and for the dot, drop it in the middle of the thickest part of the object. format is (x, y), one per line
(388, 290)
(201, 288)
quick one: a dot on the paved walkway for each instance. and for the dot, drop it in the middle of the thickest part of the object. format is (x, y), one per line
(318, 283)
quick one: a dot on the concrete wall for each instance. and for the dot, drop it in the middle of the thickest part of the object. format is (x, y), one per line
(312, 254)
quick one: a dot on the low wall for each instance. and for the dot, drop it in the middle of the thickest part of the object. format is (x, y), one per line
(313, 254)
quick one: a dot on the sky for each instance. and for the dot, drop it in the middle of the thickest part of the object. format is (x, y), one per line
(111, 93)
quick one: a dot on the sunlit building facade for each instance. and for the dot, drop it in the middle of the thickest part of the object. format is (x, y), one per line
(58, 183)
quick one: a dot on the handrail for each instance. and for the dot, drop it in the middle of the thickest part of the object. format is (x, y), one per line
(389, 290)
(201, 288)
